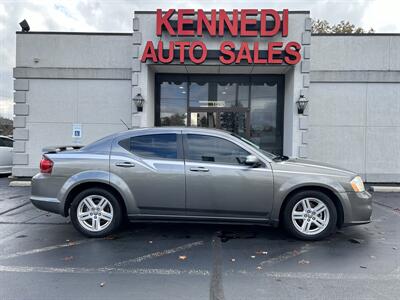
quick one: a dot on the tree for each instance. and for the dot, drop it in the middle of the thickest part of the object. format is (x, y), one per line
(6, 126)
(174, 120)
(343, 27)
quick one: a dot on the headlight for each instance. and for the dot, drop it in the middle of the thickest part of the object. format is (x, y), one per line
(357, 184)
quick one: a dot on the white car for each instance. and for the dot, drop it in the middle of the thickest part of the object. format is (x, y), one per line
(6, 148)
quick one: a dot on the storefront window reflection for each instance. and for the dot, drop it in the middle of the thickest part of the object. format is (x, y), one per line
(264, 129)
(173, 103)
(233, 94)
(248, 105)
(199, 95)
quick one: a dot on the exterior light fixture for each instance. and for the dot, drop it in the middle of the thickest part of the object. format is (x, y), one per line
(301, 104)
(139, 100)
(24, 26)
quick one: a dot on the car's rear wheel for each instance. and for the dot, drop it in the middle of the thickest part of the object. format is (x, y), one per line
(96, 212)
(310, 215)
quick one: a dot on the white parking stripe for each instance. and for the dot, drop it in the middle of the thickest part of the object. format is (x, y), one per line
(325, 276)
(287, 255)
(45, 249)
(159, 253)
(200, 272)
(26, 269)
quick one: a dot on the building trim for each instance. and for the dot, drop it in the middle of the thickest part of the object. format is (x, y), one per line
(356, 34)
(355, 76)
(75, 33)
(153, 12)
(73, 73)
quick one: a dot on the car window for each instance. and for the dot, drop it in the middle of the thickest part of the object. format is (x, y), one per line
(5, 142)
(213, 149)
(152, 146)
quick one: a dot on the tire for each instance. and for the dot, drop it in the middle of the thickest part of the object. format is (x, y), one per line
(319, 223)
(95, 221)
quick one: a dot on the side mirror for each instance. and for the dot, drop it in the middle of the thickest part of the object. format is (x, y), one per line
(252, 161)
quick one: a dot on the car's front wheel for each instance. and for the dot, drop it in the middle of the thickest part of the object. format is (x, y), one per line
(310, 215)
(96, 212)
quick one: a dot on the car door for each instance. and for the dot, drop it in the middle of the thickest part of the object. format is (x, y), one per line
(218, 184)
(6, 147)
(152, 165)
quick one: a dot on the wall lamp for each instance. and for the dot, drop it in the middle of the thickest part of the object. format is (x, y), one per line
(139, 100)
(301, 104)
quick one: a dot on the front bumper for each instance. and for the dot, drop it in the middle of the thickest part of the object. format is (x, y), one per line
(359, 208)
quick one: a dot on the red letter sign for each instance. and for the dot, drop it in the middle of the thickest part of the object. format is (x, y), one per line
(149, 52)
(182, 21)
(244, 21)
(293, 55)
(164, 20)
(263, 20)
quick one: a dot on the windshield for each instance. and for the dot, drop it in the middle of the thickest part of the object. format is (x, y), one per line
(266, 153)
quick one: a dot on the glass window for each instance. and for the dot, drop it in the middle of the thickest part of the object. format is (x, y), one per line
(199, 92)
(153, 146)
(212, 149)
(233, 94)
(173, 103)
(203, 119)
(264, 129)
(226, 94)
(5, 142)
(233, 122)
(249, 105)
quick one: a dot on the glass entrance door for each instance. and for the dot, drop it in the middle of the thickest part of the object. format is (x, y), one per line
(233, 120)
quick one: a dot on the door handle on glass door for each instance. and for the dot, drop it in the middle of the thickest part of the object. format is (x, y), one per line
(124, 164)
(199, 169)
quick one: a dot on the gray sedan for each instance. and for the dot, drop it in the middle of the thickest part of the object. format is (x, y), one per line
(191, 175)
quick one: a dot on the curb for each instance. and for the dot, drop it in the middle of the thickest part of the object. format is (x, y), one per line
(20, 183)
(386, 189)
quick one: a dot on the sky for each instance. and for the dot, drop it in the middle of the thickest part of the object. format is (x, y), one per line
(116, 16)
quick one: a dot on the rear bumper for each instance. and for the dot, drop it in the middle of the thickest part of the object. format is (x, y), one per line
(359, 208)
(47, 204)
(45, 193)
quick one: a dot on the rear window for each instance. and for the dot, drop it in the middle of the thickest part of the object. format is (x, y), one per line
(163, 146)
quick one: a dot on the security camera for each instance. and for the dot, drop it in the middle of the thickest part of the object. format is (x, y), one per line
(25, 26)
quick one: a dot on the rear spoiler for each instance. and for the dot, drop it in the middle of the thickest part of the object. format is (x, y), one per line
(56, 149)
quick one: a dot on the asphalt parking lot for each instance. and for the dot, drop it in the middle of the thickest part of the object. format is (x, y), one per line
(43, 257)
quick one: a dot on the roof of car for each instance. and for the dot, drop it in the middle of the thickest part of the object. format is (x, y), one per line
(149, 130)
(174, 128)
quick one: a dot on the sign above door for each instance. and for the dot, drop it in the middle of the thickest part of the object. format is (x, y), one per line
(264, 23)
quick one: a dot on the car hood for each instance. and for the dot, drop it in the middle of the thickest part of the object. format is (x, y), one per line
(305, 165)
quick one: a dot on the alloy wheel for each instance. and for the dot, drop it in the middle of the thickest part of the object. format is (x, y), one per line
(310, 216)
(95, 213)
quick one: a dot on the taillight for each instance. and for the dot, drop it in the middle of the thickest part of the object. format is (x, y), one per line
(46, 165)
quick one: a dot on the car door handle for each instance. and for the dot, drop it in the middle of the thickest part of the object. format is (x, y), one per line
(124, 164)
(199, 169)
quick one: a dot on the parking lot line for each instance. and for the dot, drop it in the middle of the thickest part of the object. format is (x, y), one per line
(44, 249)
(201, 272)
(324, 276)
(159, 253)
(14, 208)
(287, 255)
(27, 269)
